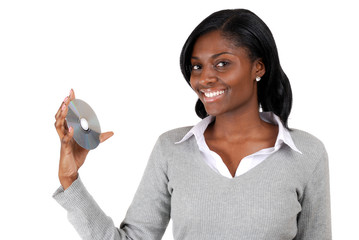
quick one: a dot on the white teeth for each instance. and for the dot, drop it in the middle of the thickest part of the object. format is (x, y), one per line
(213, 94)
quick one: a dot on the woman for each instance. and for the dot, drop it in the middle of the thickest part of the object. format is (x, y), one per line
(238, 174)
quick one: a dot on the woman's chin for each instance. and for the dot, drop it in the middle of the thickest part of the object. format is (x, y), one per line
(214, 111)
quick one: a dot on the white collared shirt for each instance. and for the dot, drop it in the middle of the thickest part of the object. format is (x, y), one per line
(248, 162)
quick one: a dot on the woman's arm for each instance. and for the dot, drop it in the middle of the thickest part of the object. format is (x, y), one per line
(314, 221)
(84, 213)
(147, 217)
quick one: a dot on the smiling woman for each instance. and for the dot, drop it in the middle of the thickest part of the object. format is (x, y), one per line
(248, 35)
(240, 173)
(224, 77)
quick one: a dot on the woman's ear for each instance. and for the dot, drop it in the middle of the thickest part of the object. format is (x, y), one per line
(259, 68)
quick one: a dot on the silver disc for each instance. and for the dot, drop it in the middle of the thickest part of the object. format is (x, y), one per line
(85, 124)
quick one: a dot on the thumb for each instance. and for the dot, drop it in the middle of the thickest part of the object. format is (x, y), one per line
(104, 136)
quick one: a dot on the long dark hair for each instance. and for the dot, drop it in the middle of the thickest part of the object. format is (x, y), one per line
(246, 30)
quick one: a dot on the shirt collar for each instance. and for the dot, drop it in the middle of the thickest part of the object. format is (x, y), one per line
(283, 133)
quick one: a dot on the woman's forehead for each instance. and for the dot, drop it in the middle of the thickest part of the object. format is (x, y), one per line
(213, 43)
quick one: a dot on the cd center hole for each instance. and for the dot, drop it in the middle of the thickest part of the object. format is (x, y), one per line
(84, 124)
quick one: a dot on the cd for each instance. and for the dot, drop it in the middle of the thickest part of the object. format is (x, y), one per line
(85, 124)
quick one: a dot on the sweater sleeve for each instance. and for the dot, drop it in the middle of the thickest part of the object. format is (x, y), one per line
(314, 221)
(84, 213)
(147, 217)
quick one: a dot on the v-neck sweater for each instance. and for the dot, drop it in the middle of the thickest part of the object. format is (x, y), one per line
(215, 161)
(285, 197)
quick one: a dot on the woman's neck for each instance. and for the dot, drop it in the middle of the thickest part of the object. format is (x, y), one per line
(234, 127)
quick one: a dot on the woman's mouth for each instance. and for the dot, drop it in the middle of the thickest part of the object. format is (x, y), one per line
(211, 95)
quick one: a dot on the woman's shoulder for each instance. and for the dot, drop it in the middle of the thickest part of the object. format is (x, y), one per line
(168, 142)
(175, 135)
(306, 142)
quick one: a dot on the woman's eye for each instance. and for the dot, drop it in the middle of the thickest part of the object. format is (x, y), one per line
(222, 64)
(196, 67)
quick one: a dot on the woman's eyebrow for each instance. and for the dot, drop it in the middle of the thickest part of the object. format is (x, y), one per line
(215, 55)
(221, 53)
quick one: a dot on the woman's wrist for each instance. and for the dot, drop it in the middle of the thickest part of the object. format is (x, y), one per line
(66, 181)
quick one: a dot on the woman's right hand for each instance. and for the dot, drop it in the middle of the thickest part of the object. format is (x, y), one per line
(72, 155)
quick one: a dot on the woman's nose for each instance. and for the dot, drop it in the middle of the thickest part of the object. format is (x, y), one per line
(208, 76)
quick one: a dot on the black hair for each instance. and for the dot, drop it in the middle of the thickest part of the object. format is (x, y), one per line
(246, 30)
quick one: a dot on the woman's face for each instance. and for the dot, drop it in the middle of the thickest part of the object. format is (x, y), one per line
(223, 75)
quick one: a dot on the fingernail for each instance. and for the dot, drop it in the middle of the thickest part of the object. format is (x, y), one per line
(70, 129)
(66, 99)
(63, 107)
(70, 92)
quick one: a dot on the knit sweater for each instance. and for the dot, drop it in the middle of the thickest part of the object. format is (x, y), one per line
(284, 197)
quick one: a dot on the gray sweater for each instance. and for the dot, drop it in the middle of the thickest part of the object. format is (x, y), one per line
(284, 197)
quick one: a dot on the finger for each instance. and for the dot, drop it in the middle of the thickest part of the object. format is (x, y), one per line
(66, 101)
(72, 95)
(60, 123)
(57, 115)
(104, 136)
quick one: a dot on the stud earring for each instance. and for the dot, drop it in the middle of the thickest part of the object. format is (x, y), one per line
(258, 79)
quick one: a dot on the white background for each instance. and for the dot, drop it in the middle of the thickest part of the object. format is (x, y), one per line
(122, 57)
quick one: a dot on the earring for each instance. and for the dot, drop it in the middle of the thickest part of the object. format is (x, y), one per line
(258, 79)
